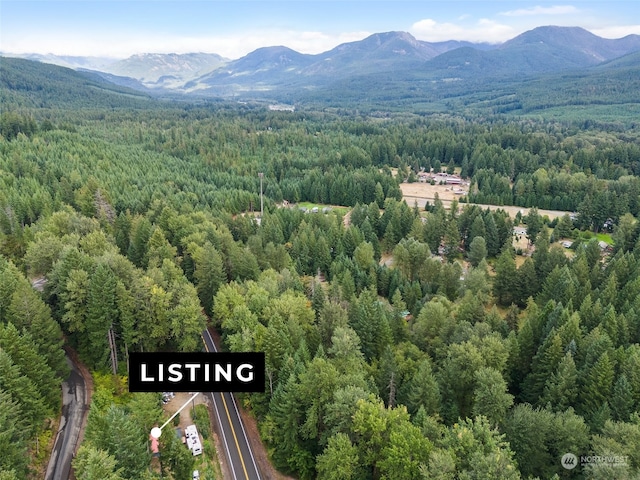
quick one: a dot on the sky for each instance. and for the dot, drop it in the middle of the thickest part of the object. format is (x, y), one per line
(233, 28)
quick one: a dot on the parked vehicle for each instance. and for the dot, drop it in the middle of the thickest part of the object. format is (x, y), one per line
(193, 440)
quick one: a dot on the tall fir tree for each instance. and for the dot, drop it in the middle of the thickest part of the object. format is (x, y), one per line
(424, 391)
(490, 398)
(561, 388)
(597, 384)
(24, 354)
(505, 278)
(102, 311)
(14, 434)
(31, 403)
(28, 311)
(621, 402)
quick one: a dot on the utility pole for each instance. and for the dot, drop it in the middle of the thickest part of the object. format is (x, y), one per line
(261, 175)
(112, 347)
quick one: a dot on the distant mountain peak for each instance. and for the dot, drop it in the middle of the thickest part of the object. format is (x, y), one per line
(592, 48)
(393, 35)
(274, 49)
(384, 55)
(270, 58)
(278, 54)
(380, 39)
(166, 68)
(553, 34)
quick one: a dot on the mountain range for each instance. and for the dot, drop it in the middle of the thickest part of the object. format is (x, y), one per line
(391, 66)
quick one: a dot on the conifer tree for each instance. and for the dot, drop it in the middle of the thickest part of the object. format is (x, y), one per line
(477, 229)
(544, 364)
(424, 391)
(434, 229)
(477, 250)
(621, 400)
(534, 224)
(22, 389)
(526, 282)
(561, 388)
(491, 399)
(597, 385)
(24, 354)
(14, 429)
(112, 429)
(208, 274)
(505, 278)
(187, 321)
(159, 249)
(388, 377)
(75, 297)
(449, 280)
(609, 324)
(371, 324)
(141, 230)
(609, 292)
(94, 464)
(540, 256)
(101, 312)
(10, 280)
(451, 240)
(28, 311)
(492, 236)
(286, 413)
(457, 380)
(559, 286)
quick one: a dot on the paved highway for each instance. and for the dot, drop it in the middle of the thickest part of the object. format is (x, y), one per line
(242, 464)
(240, 458)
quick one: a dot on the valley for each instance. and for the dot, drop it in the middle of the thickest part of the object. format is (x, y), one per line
(399, 342)
(550, 72)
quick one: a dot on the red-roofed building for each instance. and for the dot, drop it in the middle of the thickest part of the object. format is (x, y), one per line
(154, 445)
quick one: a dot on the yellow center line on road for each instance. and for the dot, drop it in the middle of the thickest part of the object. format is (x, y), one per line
(233, 430)
(244, 468)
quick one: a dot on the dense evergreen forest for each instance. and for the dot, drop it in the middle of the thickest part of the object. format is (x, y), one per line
(400, 343)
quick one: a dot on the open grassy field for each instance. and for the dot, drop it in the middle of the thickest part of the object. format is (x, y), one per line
(604, 237)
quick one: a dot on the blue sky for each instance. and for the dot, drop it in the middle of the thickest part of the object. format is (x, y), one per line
(119, 28)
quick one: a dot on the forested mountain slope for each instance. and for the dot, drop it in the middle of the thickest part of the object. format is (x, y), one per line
(402, 344)
(543, 70)
(29, 84)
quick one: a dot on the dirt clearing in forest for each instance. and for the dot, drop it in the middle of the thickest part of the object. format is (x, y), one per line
(423, 192)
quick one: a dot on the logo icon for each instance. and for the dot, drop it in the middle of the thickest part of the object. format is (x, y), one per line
(569, 461)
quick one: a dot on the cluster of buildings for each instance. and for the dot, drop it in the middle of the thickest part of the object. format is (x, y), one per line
(324, 210)
(440, 178)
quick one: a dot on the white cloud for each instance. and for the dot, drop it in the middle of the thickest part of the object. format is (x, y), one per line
(484, 30)
(125, 44)
(616, 31)
(538, 10)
